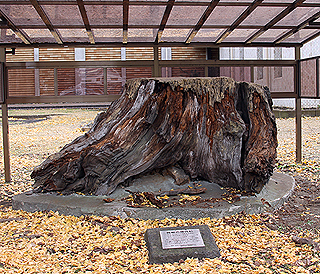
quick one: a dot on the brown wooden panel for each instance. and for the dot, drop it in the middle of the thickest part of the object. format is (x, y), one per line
(94, 81)
(138, 72)
(21, 82)
(116, 79)
(46, 81)
(139, 54)
(103, 54)
(188, 72)
(55, 54)
(66, 81)
(188, 53)
(21, 55)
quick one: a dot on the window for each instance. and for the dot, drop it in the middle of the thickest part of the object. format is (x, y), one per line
(79, 54)
(241, 53)
(260, 69)
(123, 54)
(166, 55)
(277, 56)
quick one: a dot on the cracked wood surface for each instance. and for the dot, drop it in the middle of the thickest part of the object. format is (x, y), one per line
(215, 129)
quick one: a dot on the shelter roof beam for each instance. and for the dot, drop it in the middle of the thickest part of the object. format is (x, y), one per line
(299, 27)
(311, 26)
(202, 20)
(275, 20)
(157, 3)
(5, 21)
(46, 20)
(85, 20)
(239, 20)
(151, 44)
(164, 20)
(311, 37)
(125, 20)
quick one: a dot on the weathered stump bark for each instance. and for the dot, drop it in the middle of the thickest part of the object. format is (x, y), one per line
(213, 128)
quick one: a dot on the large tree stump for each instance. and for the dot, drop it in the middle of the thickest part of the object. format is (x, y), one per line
(215, 129)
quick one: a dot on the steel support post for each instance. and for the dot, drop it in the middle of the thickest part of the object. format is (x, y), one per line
(5, 124)
(298, 131)
(55, 79)
(317, 77)
(298, 113)
(156, 67)
(206, 71)
(252, 74)
(105, 81)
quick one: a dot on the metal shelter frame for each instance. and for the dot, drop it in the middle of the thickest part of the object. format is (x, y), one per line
(204, 23)
(162, 23)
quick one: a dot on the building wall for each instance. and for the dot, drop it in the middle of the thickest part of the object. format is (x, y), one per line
(139, 53)
(285, 83)
(56, 54)
(46, 81)
(188, 72)
(311, 49)
(237, 73)
(103, 54)
(21, 82)
(81, 81)
(179, 53)
(21, 55)
(91, 80)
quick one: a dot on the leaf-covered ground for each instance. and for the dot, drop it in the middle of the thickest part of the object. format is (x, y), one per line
(279, 241)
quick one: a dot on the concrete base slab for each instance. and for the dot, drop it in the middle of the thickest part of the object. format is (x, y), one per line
(273, 195)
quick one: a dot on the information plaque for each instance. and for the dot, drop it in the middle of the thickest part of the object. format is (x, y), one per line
(181, 238)
(172, 244)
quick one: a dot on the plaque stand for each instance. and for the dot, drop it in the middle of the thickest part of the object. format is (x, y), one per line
(172, 244)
